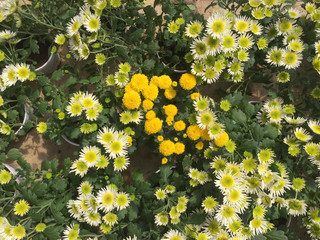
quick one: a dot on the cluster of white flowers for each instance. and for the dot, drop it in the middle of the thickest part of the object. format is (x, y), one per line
(11, 74)
(84, 102)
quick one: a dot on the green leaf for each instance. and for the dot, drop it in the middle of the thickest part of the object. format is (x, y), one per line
(39, 188)
(270, 132)
(187, 161)
(259, 237)
(75, 133)
(70, 81)
(45, 165)
(54, 164)
(34, 47)
(56, 75)
(276, 235)
(133, 212)
(257, 131)
(137, 176)
(165, 172)
(14, 154)
(134, 230)
(150, 11)
(56, 102)
(249, 109)
(196, 219)
(121, 214)
(238, 116)
(153, 47)
(12, 115)
(148, 64)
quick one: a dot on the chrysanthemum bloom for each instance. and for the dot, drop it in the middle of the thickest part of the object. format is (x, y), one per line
(21, 208)
(152, 126)
(164, 82)
(122, 201)
(209, 204)
(187, 81)
(179, 148)
(160, 194)
(179, 125)
(170, 93)
(161, 219)
(150, 92)
(173, 235)
(150, 115)
(193, 29)
(147, 104)
(18, 232)
(72, 232)
(167, 148)
(131, 100)
(221, 139)
(194, 132)
(5, 176)
(40, 227)
(170, 110)
(139, 82)
(110, 219)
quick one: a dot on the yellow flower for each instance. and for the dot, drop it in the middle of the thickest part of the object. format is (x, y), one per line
(169, 119)
(205, 135)
(195, 95)
(194, 132)
(164, 82)
(179, 125)
(170, 93)
(187, 81)
(139, 82)
(147, 104)
(150, 115)
(170, 110)
(129, 88)
(41, 127)
(164, 160)
(130, 140)
(152, 126)
(221, 140)
(167, 148)
(150, 92)
(155, 80)
(21, 208)
(160, 138)
(179, 148)
(199, 145)
(131, 100)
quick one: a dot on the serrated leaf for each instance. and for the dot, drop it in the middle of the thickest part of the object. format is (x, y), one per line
(150, 11)
(133, 212)
(259, 237)
(249, 109)
(34, 47)
(56, 102)
(153, 47)
(39, 188)
(196, 219)
(137, 176)
(257, 131)
(270, 132)
(165, 172)
(12, 115)
(14, 154)
(70, 81)
(276, 235)
(187, 161)
(56, 75)
(238, 116)
(148, 64)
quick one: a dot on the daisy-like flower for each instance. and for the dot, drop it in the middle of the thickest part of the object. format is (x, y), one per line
(235, 67)
(227, 214)
(173, 235)
(209, 75)
(84, 51)
(110, 219)
(206, 119)
(74, 209)
(297, 207)
(253, 185)
(121, 163)
(302, 134)
(266, 156)
(197, 67)
(226, 181)
(296, 45)
(161, 219)
(107, 135)
(85, 188)
(131, 238)
(314, 126)
(9, 75)
(74, 25)
(6, 34)
(90, 154)
(118, 147)
(243, 55)
(21, 208)
(201, 103)
(92, 114)
(291, 59)
(122, 201)
(121, 79)
(5, 176)
(106, 198)
(213, 45)
(275, 114)
(284, 26)
(256, 27)
(245, 41)
(125, 117)
(193, 29)
(215, 130)
(92, 22)
(218, 25)
(18, 232)
(211, 225)
(173, 27)
(280, 186)
(92, 218)
(60, 39)
(199, 49)
(229, 43)
(124, 67)
(74, 109)
(236, 198)
(72, 232)
(258, 13)
(295, 121)
(258, 225)
(312, 149)
(160, 194)
(209, 204)
(249, 165)
(79, 167)
(136, 117)
(242, 24)
(275, 56)
(23, 71)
